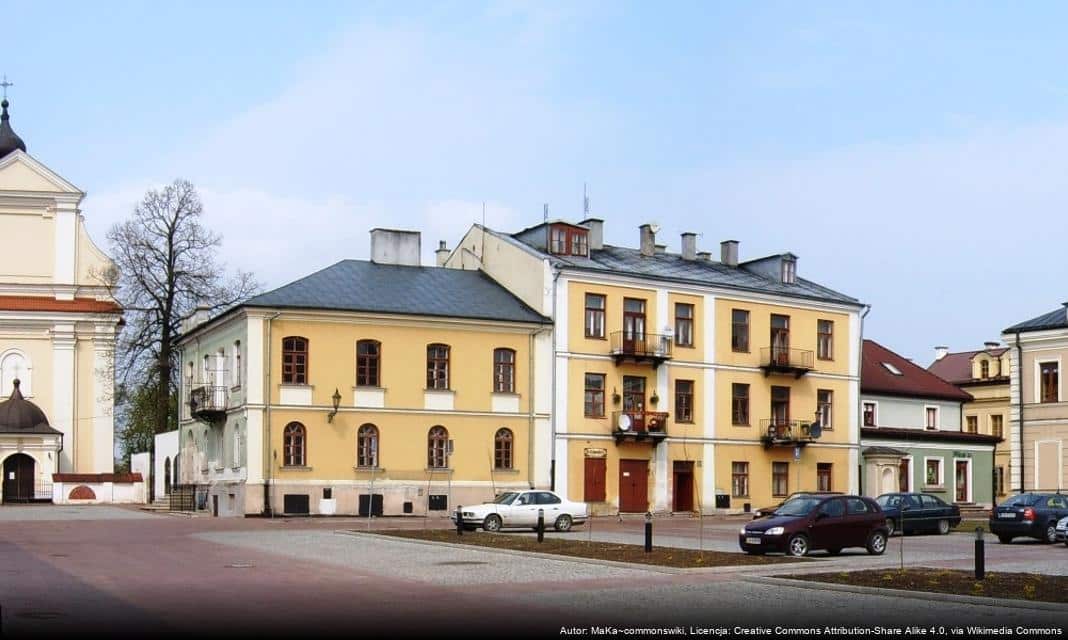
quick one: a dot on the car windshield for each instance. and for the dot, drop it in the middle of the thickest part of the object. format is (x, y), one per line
(1022, 500)
(505, 498)
(797, 507)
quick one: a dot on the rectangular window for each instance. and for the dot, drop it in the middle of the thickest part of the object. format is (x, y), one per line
(740, 404)
(684, 324)
(294, 360)
(997, 426)
(579, 243)
(932, 417)
(594, 316)
(780, 473)
(437, 366)
(823, 476)
(934, 472)
(971, 424)
(684, 401)
(236, 374)
(368, 362)
(740, 479)
(824, 402)
(594, 405)
(825, 340)
(740, 330)
(780, 339)
(503, 371)
(999, 480)
(984, 369)
(869, 414)
(558, 241)
(1050, 385)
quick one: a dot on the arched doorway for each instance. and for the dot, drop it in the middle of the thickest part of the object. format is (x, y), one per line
(166, 475)
(19, 475)
(177, 477)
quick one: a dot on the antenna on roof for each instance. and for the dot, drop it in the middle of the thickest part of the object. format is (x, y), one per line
(545, 212)
(585, 202)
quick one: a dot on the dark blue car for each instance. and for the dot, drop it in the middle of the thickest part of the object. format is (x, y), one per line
(1033, 515)
(911, 512)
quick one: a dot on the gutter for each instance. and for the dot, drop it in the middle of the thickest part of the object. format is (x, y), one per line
(552, 365)
(860, 399)
(1020, 407)
(267, 511)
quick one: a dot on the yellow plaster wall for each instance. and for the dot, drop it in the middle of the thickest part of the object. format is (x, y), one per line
(613, 317)
(760, 468)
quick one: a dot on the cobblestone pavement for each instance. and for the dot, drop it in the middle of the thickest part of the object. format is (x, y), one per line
(159, 575)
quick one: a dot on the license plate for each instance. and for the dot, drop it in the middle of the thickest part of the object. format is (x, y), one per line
(752, 541)
(1007, 515)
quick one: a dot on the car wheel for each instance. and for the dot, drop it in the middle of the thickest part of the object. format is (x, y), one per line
(1051, 533)
(797, 546)
(833, 552)
(1005, 539)
(563, 523)
(492, 523)
(877, 543)
(943, 527)
(890, 526)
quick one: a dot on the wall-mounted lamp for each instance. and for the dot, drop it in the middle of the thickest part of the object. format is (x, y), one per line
(337, 402)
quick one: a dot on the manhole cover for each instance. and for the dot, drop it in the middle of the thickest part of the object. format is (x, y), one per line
(39, 615)
(240, 565)
(459, 563)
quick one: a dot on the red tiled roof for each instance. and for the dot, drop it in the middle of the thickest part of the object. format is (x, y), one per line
(913, 381)
(41, 303)
(96, 477)
(957, 367)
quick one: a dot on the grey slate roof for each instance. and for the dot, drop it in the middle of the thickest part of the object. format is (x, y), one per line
(1053, 320)
(669, 266)
(358, 285)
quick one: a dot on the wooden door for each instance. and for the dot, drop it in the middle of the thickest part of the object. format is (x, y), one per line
(19, 475)
(780, 409)
(594, 480)
(683, 487)
(780, 339)
(962, 481)
(903, 479)
(633, 486)
(633, 325)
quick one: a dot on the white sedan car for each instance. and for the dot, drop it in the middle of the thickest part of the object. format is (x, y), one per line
(519, 509)
(1061, 534)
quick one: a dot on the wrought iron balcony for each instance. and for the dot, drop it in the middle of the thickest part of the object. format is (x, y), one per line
(208, 402)
(795, 362)
(641, 347)
(639, 425)
(776, 431)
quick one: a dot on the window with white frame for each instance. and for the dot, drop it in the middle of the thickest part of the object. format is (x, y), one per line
(930, 418)
(869, 414)
(932, 472)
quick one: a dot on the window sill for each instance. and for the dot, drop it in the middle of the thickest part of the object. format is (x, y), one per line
(513, 472)
(294, 468)
(369, 469)
(594, 417)
(685, 346)
(509, 394)
(744, 426)
(439, 390)
(685, 422)
(602, 338)
(296, 385)
(368, 387)
(438, 470)
(934, 487)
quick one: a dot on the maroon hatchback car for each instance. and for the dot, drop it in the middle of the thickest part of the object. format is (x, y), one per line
(818, 522)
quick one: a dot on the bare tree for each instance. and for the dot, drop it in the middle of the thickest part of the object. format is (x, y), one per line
(166, 269)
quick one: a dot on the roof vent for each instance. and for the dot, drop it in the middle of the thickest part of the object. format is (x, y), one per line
(941, 352)
(990, 346)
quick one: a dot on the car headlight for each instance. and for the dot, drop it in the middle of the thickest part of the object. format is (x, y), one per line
(774, 531)
(742, 531)
(469, 514)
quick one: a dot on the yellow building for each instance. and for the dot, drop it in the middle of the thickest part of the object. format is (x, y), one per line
(379, 386)
(985, 375)
(682, 383)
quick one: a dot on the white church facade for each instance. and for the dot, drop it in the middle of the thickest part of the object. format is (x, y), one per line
(58, 324)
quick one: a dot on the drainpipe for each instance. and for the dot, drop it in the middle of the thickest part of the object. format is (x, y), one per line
(267, 511)
(530, 408)
(552, 364)
(860, 401)
(1020, 407)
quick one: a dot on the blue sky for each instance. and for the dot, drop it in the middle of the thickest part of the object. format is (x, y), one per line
(912, 154)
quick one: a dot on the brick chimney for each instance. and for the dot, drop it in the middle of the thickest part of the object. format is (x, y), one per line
(728, 253)
(647, 245)
(689, 246)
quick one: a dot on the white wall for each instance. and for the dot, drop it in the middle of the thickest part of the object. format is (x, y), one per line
(910, 413)
(166, 448)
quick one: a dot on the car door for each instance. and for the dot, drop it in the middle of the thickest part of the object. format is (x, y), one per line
(551, 505)
(858, 523)
(523, 512)
(827, 531)
(932, 511)
(911, 513)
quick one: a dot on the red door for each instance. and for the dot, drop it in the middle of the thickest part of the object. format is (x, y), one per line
(633, 486)
(683, 487)
(633, 325)
(593, 490)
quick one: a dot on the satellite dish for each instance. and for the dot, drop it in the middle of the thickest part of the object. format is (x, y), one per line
(815, 429)
(623, 422)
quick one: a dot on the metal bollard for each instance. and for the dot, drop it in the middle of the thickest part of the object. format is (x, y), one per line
(459, 519)
(648, 532)
(541, 525)
(980, 554)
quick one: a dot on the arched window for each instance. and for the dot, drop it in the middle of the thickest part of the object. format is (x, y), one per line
(437, 366)
(294, 360)
(368, 363)
(295, 445)
(437, 445)
(502, 449)
(166, 475)
(367, 446)
(236, 364)
(14, 365)
(504, 370)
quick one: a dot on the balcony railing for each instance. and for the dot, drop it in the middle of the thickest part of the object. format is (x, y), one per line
(208, 402)
(639, 425)
(789, 432)
(796, 362)
(641, 346)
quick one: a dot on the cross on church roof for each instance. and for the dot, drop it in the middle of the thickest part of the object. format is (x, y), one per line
(5, 84)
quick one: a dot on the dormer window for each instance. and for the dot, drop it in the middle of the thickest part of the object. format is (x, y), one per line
(984, 369)
(565, 240)
(789, 271)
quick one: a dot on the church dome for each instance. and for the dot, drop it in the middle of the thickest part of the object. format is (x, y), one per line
(9, 140)
(18, 413)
